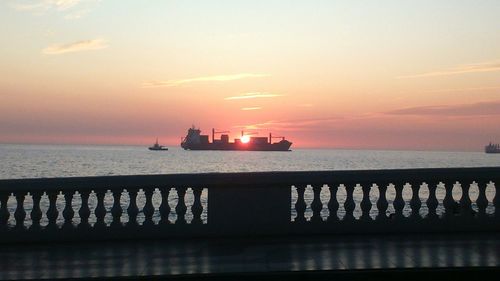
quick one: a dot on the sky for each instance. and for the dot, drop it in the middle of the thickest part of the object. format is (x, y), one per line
(387, 74)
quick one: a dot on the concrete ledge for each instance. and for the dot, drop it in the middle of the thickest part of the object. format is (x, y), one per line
(359, 257)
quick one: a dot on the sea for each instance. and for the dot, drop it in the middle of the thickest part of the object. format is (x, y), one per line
(46, 161)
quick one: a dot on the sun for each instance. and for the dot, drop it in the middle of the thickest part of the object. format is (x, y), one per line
(245, 139)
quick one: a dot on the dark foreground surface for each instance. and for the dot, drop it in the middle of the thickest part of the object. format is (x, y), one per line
(457, 256)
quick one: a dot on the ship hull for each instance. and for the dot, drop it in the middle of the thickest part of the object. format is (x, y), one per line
(492, 148)
(157, 149)
(241, 147)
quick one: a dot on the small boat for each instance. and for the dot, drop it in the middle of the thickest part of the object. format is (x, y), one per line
(492, 148)
(156, 146)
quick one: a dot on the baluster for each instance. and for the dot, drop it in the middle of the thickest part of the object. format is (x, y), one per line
(349, 204)
(366, 204)
(116, 210)
(36, 212)
(100, 210)
(482, 201)
(4, 212)
(149, 209)
(68, 212)
(465, 203)
(181, 207)
(84, 211)
(333, 204)
(382, 203)
(164, 207)
(448, 202)
(316, 205)
(399, 202)
(20, 213)
(197, 208)
(415, 202)
(132, 210)
(52, 212)
(496, 200)
(300, 206)
(432, 202)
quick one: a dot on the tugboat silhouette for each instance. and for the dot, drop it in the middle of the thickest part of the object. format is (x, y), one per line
(156, 146)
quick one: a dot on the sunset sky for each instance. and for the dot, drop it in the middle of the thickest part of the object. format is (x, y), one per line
(339, 74)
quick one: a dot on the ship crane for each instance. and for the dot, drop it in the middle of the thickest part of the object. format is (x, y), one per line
(275, 137)
(248, 134)
(217, 132)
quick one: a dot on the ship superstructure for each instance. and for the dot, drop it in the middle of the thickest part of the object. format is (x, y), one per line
(194, 140)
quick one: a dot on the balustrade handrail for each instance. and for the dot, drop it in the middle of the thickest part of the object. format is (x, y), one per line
(256, 179)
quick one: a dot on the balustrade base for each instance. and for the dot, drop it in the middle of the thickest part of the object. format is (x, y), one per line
(186, 231)
(285, 258)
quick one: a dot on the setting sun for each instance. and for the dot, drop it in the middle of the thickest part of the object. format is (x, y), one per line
(245, 139)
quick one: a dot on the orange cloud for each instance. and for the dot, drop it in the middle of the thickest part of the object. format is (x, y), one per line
(251, 108)
(217, 78)
(85, 45)
(474, 109)
(461, 69)
(253, 96)
(464, 89)
(292, 124)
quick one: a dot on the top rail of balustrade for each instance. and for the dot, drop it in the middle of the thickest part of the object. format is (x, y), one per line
(256, 179)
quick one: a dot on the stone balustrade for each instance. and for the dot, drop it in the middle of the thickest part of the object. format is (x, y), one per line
(250, 204)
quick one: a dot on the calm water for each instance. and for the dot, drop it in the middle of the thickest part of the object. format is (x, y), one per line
(33, 161)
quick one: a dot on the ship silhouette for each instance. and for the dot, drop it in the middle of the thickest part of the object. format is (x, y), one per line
(492, 148)
(157, 146)
(194, 140)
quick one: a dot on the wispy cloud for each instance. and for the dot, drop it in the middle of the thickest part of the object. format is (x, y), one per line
(29, 6)
(461, 69)
(216, 78)
(251, 108)
(45, 5)
(473, 109)
(463, 89)
(85, 45)
(291, 124)
(253, 96)
(72, 8)
(77, 14)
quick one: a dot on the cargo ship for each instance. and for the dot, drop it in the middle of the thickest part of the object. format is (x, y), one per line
(492, 148)
(194, 140)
